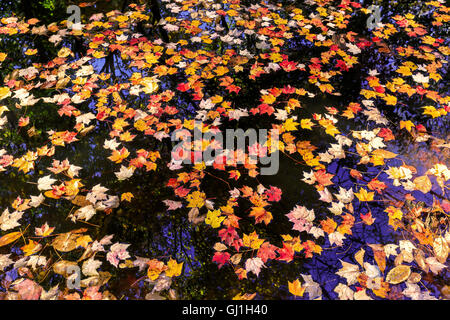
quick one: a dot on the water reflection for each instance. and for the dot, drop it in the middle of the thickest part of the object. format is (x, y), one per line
(157, 233)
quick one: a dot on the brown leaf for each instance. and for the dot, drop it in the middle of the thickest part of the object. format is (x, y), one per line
(62, 83)
(87, 253)
(86, 130)
(384, 154)
(440, 249)
(423, 184)
(420, 260)
(81, 201)
(359, 256)
(219, 246)
(398, 274)
(414, 277)
(379, 255)
(236, 258)
(61, 266)
(356, 174)
(100, 280)
(65, 242)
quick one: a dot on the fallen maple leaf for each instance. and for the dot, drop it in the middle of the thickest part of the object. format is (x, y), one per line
(296, 288)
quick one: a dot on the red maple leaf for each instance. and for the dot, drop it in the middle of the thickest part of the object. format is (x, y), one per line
(323, 177)
(377, 185)
(221, 258)
(274, 194)
(182, 192)
(286, 253)
(183, 87)
(267, 251)
(386, 134)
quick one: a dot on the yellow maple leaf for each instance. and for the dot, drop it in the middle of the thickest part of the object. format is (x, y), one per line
(23, 164)
(119, 124)
(173, 268)
(121, 18)
(406, 124)
(118, 156)
(200, 166)
(329, 127)
(390, 100)
(196, 199)
(151, 58)
(214, 218)
(98, 54)
(221, 70)
(141, 125)
(83, 241)
(31, 52)
(252, 240)
(64, 52)
(268, 98)
(404, 70)
(326, 87)
(4, 92)
(306, 124)
(363, 195)
(127, 196)
(368, 93)
(31, 247)
(433, 112)
(296, 288)
(276, 57)
(127, 136)
(290, 125)
(377, 160)
(384, 154)
(216, 99)
(150, 85)
(394, 213)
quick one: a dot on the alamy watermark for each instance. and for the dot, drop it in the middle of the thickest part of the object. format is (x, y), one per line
(241, 147)
(75, 16)
(73, 277)
(375, 18)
